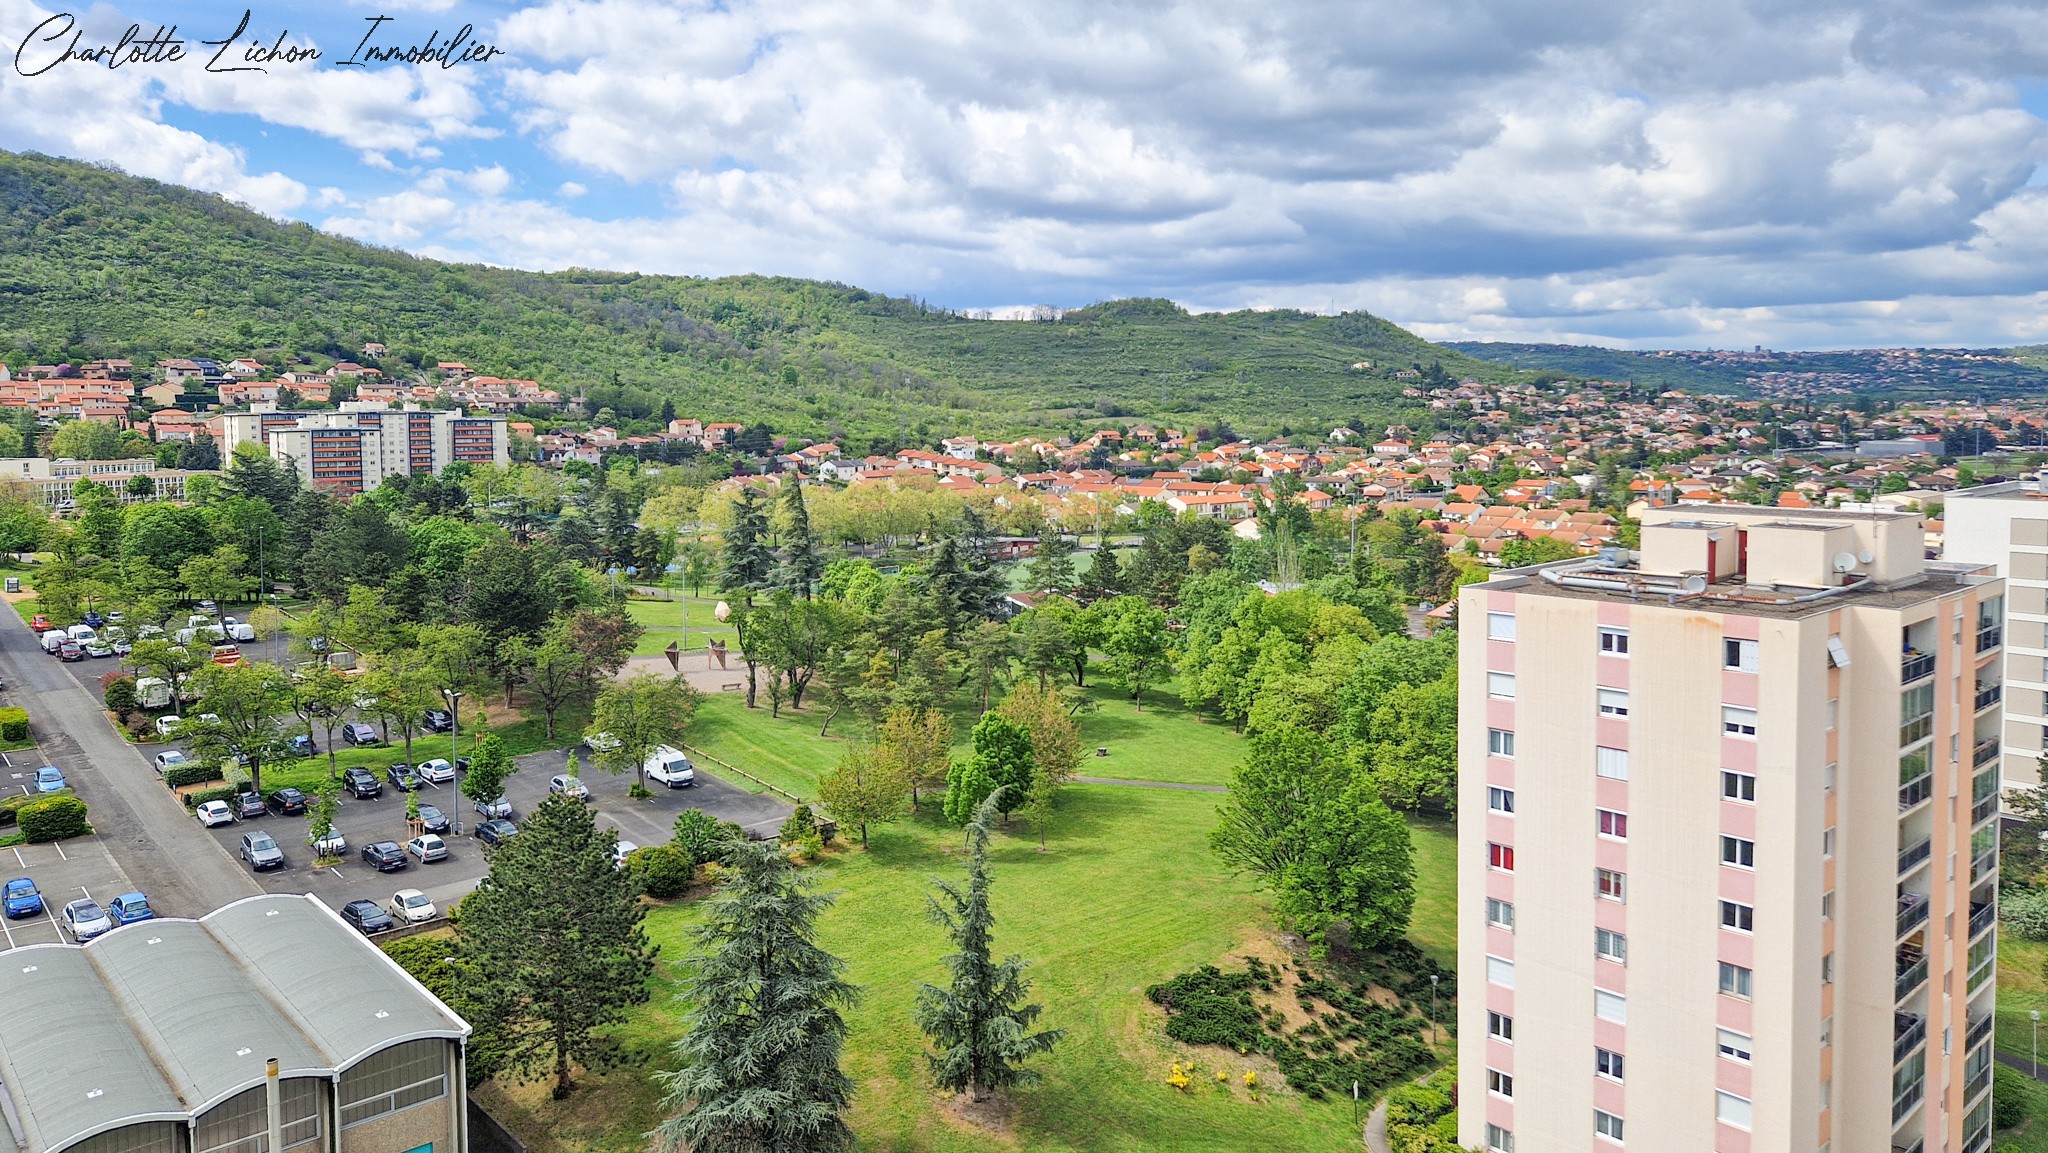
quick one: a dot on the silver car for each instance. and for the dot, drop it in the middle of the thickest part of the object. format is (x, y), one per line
(85, 920)
(428, 847)
(261, 851)
(498, 810)
(568, 786)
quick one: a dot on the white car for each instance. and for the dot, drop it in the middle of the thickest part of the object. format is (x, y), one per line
(428, 847)
(568, 786)
(412, 906)
(625, 849)
(166, 725)
(167, 759)
(601, 742)
(366, 702)
(438, 771)
(331, 845)
(213, 814)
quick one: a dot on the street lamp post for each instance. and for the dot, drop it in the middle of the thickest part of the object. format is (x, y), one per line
(1432, 1010)
(2035, 1016)
(455, 722)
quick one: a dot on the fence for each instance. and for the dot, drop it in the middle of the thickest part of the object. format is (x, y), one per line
(728, 766)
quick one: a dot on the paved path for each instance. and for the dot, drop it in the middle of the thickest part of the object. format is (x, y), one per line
(159, 845)
(1151, 784)
(2022, 1064)
(1376, 1129)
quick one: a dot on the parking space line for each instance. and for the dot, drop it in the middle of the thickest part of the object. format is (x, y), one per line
(58, 845)
(86, 891)
(336, 872)
(8, 931)
(54, 926)
(19, 859)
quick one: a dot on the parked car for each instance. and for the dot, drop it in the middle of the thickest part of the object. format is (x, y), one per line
(402, 777)
(621, 851)
(213, 814)
(117, 616)
(49, 779)
(433, 820)
(427, 847)
(168, 725)
(361, 783)
(84, 919)
(123, 647)
(53, 642)
(412, 906)
(384, 856)
(359, 734)
(495, 832)
(167, 759)
(667, 766)
(40, 622)
(301, 745)
(331, 845)
(23, 900)
(438, 720)
(438, 771)
(288, 802)
(498, 810)
(600, 742)
(316, 644)
(261, 851)
(568, 786)
(99, 650)
(248, 805)
(129, 908)
(71, 651)
(368, 917)
(208, 607)
(93, 619)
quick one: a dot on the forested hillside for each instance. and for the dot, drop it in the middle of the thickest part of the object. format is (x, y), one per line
(96, 263)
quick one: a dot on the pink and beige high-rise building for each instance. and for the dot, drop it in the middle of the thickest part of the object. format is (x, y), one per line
(1728, 842)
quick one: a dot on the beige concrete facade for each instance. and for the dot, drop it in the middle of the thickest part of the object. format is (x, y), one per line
(2006, 525)
(1680, 753)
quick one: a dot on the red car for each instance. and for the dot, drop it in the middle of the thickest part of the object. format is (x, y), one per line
(72, 651)
(41, 623)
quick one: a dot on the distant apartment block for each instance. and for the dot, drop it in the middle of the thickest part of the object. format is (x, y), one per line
(354, 450)
(1728, 842)
(2006, 526)
(52, 480)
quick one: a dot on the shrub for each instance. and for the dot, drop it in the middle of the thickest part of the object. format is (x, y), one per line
(120, 697)
(199, 797)
(800, 825)
(663, 871)
(2025, 912)
(141, 729)
(11, 807)
(13, 724)
(2008, 1097)
(53, 818)
(192, 773)
(1210, 1007)
(703, 837)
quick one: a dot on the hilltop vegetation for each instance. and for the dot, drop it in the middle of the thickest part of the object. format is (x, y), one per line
(97, 263)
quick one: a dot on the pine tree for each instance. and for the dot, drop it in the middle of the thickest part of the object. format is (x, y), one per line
(801, 566)
(746, 563)
(554, 935)
(760, 1060)
(979, 1025)
(1052, 569)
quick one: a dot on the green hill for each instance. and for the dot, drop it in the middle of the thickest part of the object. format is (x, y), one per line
(97, 263)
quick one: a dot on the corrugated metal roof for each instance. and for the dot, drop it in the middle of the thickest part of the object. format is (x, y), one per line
(164, 1019)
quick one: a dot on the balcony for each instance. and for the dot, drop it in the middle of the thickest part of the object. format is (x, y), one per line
(1906, 1099)
(1983, 752)
(1989, 637)
(1914, 666)
(1978, 1083)
(1912, 975)
(1983, 810)
(1912, 855)
(1983, 864)
(1979, 1029)
(1913, 909)
(1981, 973)
(1982, 917)
(1908, 1032)
(1916, 790)
(1978, 1141)
(1919, 1146)
(1989, 695)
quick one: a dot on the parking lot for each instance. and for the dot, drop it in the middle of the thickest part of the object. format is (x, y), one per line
(64, 871)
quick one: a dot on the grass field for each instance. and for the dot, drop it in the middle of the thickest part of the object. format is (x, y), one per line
(1127, 895)
(665, 620)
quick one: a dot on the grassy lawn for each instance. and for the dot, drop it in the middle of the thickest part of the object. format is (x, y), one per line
(2031, 1135)
(664, 621)
(1127, 896)
(2022, 986)
(1160, 742)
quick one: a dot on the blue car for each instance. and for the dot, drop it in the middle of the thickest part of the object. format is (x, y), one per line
(22, 898)
(129, 908)
(302, 746)
(49, 779)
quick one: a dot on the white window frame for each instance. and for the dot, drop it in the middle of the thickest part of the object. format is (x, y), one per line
(1500, 800)
(1746, 655)
(1615, 1070)
(1500, 1027)
(1737, 721)
(1741, 913)
(1497, 968)
(1610, 763)
(1613, 703)
(1500, 857)
(1738, 852)
(1609, 1006)
(1731, 1110)
(1745, 787)
(1499, 1140)
(1609, 945)
(1608, 1127)
(1500, 743)
(1500, 686)
(1736, 980)
(1501, 1085)
(1733, 1046)
(1500, 914)
(1620, 894)
(1500, 626)
(1613, 641)
(1620, 822)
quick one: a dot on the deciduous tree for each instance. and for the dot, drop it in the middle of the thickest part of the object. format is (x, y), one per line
(864, 790)
(641, 715)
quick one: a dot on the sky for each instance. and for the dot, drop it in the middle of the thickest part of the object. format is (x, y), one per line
(1649, 173)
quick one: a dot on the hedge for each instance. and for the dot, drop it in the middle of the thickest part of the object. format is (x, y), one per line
(193, 773)
(13, 724)
(663, 871)
(53, 818)
(11, 807)
(224, 793)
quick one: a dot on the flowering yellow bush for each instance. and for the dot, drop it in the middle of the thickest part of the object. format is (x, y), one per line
(1178, 1078)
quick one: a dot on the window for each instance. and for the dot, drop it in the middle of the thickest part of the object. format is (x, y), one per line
(1610, 763)
(1827, 1031)
(1609, 945)
(1500, 1084)
(400, 1077)
(1499, 856)
(1737, 722)
(1827, 905)
(1500, 626)
(1500, 971)
(1500, 742)
(1738, 786)
(1739, 917)
(1607, 1125)
(1827, 969)
(1499, 800)
(1500, 914)
(1827, 841)
(1738, 852)
(1611, 885)
(1500, 1027)
(1732, 1109)
(1734, 1046)
(1738, 655)
(1614, 642)
(1613, 703)
(1613, 824)
(1500, 686)
(1610, 1006)
(1499, 1140)
(1609, 1064)
(1734, 980)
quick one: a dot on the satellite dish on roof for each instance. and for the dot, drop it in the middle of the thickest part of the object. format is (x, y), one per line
(1866, 556)
(1845, 562)
(1694, 585)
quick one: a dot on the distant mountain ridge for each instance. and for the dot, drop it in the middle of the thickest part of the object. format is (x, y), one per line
(1899, 373)
(97, 263)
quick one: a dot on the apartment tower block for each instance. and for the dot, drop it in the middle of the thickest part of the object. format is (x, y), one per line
(1728, 842)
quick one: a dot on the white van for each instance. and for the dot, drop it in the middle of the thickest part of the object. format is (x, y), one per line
(241, 632)
(670, 767)
(83, 634)
(54, 640)
(153, 693)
